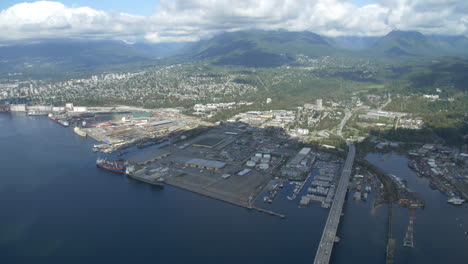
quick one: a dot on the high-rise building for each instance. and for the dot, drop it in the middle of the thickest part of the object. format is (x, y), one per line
(319, 103)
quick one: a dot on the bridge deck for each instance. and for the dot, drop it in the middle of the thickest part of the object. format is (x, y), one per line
(329, 232)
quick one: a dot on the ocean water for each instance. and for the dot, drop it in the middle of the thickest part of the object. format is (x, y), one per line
(440, 229)
(57, 207)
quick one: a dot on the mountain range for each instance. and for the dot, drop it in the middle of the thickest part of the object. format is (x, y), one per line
(253, 48)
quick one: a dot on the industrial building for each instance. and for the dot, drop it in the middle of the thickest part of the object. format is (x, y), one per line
(148, 156)
(298, 165)
(18, 108)
(205, 164)
(296, 161)
(208, 142)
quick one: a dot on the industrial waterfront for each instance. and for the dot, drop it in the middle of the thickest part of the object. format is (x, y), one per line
(61, 208)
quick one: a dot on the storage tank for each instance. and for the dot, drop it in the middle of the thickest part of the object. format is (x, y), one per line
(250, 163)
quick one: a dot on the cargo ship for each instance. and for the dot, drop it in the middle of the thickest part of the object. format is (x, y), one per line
(51, 117)
(110, 165)
(150, 179)
(34, 113)
(64, 123)
(80, 132)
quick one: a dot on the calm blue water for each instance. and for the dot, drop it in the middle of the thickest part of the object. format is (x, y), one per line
(439, 229)
(57, 207)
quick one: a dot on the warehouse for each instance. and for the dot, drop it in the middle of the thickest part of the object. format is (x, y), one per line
(148, 156)
(205, 164)
(208, 142)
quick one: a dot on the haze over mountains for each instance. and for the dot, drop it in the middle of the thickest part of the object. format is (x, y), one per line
(253, 48)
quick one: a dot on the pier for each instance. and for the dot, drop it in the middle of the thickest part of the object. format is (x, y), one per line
(217, 197)
(329, 232)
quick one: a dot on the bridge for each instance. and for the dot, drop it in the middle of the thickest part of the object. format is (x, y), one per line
(329, 232)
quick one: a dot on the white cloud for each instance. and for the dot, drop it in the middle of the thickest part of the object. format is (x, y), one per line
(189, 20)
(45, 19)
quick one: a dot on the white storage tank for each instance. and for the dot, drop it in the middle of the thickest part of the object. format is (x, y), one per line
(255, 159)
(250, 163)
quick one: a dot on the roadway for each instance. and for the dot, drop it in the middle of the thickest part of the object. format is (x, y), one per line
(331, 226)
(345, 119)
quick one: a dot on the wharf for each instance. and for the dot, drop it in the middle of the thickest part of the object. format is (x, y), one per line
(176, 185)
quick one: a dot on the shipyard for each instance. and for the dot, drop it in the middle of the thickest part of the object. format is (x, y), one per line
(249, 166)
(233, 162)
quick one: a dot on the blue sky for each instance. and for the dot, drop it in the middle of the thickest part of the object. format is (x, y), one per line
(361, 3)
(136, 7)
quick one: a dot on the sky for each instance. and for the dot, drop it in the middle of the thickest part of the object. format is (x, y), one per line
(191, 20)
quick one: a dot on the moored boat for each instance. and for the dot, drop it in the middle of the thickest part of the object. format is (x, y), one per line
(34, 113)
(150, 179)
(51, 117)
(64, 123)
(456, 201)
(80, 132)
(109, 165)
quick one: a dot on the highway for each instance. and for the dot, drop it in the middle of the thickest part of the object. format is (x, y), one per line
(329, 232)
(345, 119)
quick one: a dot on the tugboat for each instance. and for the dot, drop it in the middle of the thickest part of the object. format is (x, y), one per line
(110, 165)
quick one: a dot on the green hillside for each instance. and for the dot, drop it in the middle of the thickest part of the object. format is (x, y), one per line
(264, 48)
(404, 44)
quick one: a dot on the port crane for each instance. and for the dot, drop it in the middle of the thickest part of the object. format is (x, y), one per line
(408, 241)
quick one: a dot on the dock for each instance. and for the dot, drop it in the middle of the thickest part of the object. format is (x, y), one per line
(328, 239)
(282, 216)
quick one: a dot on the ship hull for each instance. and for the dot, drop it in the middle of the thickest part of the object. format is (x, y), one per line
(83, 136)
(64, 124)
(159, 184)
(80, 132)
(111, 169)
(53, 119)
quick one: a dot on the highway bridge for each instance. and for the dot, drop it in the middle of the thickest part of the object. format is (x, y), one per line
(329, 232)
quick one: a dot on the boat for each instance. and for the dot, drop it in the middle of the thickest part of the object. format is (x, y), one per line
(456, 201)
(110, 165)
(34, 113)
(64, 123)
(150, 179)
(80, 132)
(51, 117)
